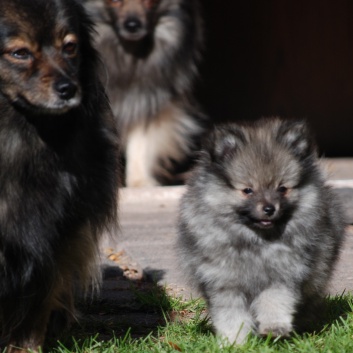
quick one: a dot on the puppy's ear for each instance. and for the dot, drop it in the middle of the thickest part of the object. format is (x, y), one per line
(224, 141)
(295, 135)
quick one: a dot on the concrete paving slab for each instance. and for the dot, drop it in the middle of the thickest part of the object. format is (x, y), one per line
(148, 231)
(338, 168)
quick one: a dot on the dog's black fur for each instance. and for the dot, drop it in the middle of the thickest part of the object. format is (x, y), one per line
(58, 165)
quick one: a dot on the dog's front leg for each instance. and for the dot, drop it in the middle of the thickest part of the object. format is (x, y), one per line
(30, 334)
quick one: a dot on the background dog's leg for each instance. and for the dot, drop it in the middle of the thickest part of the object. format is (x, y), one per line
(139, 161)
(152, 149)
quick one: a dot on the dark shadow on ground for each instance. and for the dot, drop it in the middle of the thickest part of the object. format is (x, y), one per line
(123, 305)
(315, 317)
(336, 307)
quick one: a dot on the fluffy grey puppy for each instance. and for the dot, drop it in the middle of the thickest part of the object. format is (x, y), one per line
(259, 230)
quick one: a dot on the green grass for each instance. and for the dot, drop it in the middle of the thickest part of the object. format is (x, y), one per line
(187, 329)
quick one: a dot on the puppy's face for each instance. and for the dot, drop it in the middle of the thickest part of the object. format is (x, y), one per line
(39, 58)
(132, 17)
(262, 172)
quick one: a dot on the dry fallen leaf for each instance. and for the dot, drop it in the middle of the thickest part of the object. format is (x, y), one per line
(171, 344)
(174, 346)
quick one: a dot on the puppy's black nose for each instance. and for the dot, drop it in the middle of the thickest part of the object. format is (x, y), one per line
(132, 24)
(269, 210)
(65, 88)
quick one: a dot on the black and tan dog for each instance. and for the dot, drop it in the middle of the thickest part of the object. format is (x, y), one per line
(58, 166)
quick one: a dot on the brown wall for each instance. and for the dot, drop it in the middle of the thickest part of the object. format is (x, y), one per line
(278, 57)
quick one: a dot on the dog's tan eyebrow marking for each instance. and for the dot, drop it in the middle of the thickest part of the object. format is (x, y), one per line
(70, 38)
(64, 39)
(16, 43)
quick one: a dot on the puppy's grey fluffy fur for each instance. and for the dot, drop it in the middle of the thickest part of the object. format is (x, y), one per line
(150, 82)
(259, 230)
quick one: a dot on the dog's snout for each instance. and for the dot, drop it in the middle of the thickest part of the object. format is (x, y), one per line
(269, 209)
(65, 88)
(133, 24)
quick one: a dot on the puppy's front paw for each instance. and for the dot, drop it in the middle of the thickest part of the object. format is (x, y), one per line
(236, 337)
(276, 329)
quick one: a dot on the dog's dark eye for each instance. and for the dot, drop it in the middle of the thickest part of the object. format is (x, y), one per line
(248, 191)
(70, 48)
(21, 54)
(282, 189)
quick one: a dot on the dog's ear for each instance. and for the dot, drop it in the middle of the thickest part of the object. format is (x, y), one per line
(295, 135)
(223, 142)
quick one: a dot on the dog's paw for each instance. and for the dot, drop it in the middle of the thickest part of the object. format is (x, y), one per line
(275, 329)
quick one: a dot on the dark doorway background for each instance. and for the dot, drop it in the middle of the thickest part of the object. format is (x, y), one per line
(287, 58)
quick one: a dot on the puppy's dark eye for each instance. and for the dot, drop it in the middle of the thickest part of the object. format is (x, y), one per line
(282, 189)
(21, 54)
(248, 191)
(70, 48)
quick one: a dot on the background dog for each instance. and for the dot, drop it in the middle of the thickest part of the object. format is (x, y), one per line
(151, 49)
(58, 157)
